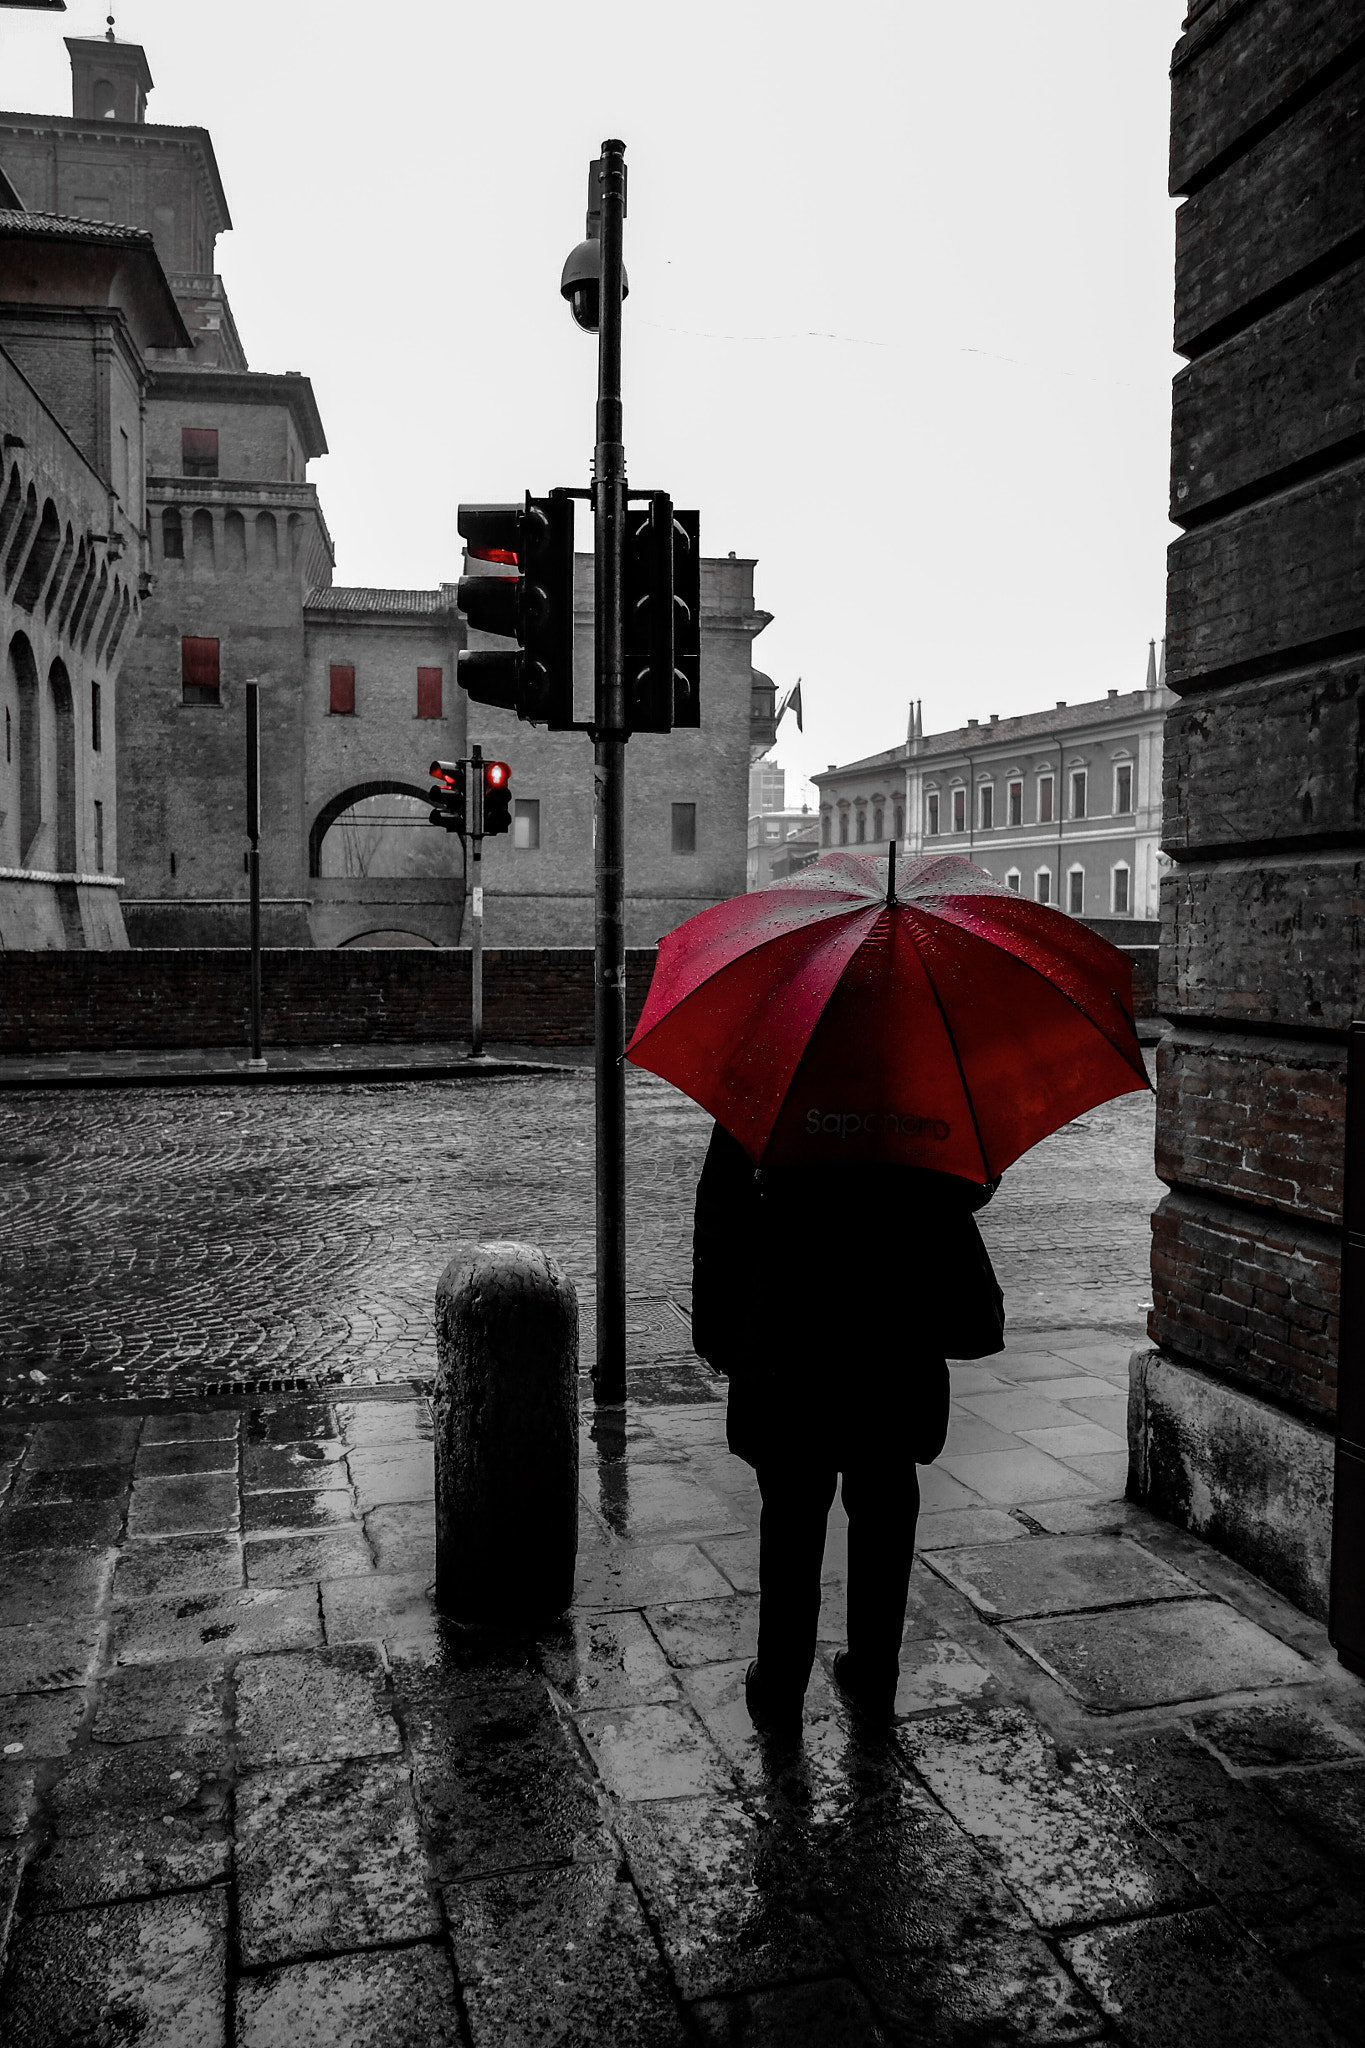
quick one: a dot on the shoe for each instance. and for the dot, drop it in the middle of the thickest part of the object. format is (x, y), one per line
(875, 1704)
(770, 1716)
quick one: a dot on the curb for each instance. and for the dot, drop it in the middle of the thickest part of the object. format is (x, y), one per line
(239, 1077)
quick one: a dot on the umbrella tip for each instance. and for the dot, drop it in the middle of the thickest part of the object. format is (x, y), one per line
(890, 873)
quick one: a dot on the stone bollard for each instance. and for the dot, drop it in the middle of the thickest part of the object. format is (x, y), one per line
(506, 1435)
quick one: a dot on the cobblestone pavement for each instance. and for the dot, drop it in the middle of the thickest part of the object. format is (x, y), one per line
(182, 1238)
(255, 1792)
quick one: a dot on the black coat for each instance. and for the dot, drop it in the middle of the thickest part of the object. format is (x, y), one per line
(835, 1290)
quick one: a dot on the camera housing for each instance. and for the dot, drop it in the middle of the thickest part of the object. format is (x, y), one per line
(581, 284)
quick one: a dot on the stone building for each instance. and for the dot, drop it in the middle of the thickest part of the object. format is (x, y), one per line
(1232, 1417)
(783, 838)
(1062, 805)
(81, 305)
(359, 689)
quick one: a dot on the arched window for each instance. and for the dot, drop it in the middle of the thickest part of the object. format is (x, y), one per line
(900, 821)
(824, 830)
(862, 828)
(878, 817)
(102, 99)
(843, 828)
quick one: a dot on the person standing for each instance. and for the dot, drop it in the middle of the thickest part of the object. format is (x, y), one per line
(881, 1274)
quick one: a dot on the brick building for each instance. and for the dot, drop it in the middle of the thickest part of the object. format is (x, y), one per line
(359, 687)
(81, 305)
(1062, 805)
(1232, 1418)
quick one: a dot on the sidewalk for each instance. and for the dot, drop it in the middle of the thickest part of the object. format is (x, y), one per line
(256, 1792)
(192, 1067)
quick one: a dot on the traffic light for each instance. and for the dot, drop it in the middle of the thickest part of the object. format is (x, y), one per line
(662, 578)
(497, 798)
(534, 607)
(448, 795)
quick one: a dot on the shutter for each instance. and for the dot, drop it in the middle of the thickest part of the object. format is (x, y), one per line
(199, 664)
(199, 451)
(428, 693)
(342, 678)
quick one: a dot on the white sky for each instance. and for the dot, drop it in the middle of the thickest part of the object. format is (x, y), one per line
(900, 304)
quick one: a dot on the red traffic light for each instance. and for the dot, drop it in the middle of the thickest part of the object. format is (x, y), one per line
(496, 775)
(449, 773)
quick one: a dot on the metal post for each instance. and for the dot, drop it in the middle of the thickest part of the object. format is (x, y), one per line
(609, 779)
(475, 805)
(256, 1063)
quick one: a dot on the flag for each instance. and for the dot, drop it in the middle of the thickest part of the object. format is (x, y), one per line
(791, 702)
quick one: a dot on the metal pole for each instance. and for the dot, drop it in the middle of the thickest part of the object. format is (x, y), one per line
(256, 1062)
(609, 784)
(475, 803)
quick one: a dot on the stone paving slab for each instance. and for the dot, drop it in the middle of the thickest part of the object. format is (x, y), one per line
(1156, 1656)
(1071, 1573)
(388, 1998)
(155, 1971)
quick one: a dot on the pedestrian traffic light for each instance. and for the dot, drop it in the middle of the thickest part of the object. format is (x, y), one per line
(497, 798)
(534, 607)
(448, 795)
(662, 581)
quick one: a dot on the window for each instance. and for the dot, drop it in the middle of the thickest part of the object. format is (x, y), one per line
(198, 670)
(1016, 803)
(772, 828)
(341, 683)
(102, 99)
(1075, 891)
(878, 818)
(862, 828)
(525, 821)
(1042, 885)
(99, 837)
(126, 467)
(1013, 879)
(1123, 786)
(900, 821)
(843, 828)
(1044, 807)
(959, 810)
(9, 739)
(824, 824)
(199, 451)
(428, 693)
(96, 727)
(987, 800)
(1122, 905)
(1078, 793)
(172, 535)
(684, 828)
(931, 814)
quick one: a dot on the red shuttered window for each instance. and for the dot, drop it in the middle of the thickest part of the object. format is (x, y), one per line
(342, 678)
(428, 693)
(199, 451)
(198, 670)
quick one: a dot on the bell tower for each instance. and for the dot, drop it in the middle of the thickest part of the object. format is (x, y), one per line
(110, 81)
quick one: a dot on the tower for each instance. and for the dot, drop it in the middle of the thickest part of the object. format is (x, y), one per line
(110, 81)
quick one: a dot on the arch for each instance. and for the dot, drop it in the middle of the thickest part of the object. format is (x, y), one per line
(201, 529)
(93, 609)
(54, 588)
(825, 829)
(295, 540)
(388, 935)
(14, 496)
(267, 541)
(234, 540)
(172, 535)
(899, 816)
(102, 100)
(334, 807)
(119, 624)
(22, 537)
(77, 590)
(63, 710)
(25, 672)
(41, 555)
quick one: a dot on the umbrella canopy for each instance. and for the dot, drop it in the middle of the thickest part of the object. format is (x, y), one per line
(951, 1028)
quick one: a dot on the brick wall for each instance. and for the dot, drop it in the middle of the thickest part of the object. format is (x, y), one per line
(1264, 757)
(65, 1002)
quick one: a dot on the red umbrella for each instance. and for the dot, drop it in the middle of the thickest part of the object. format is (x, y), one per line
(942, 1022)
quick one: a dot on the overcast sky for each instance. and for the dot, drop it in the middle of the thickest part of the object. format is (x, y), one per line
(899, 320)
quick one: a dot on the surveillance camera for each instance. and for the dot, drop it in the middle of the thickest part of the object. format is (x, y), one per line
(581, 284)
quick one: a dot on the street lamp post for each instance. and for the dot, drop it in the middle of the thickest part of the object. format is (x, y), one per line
(609, 796)
(256, 1060)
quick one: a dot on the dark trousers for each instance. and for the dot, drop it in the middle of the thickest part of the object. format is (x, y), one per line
(797, 1481)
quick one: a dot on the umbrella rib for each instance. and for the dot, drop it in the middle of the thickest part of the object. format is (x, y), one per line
(948, 1034)
(1029, 967)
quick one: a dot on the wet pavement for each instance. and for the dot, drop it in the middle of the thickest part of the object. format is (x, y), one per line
(255, 1791)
